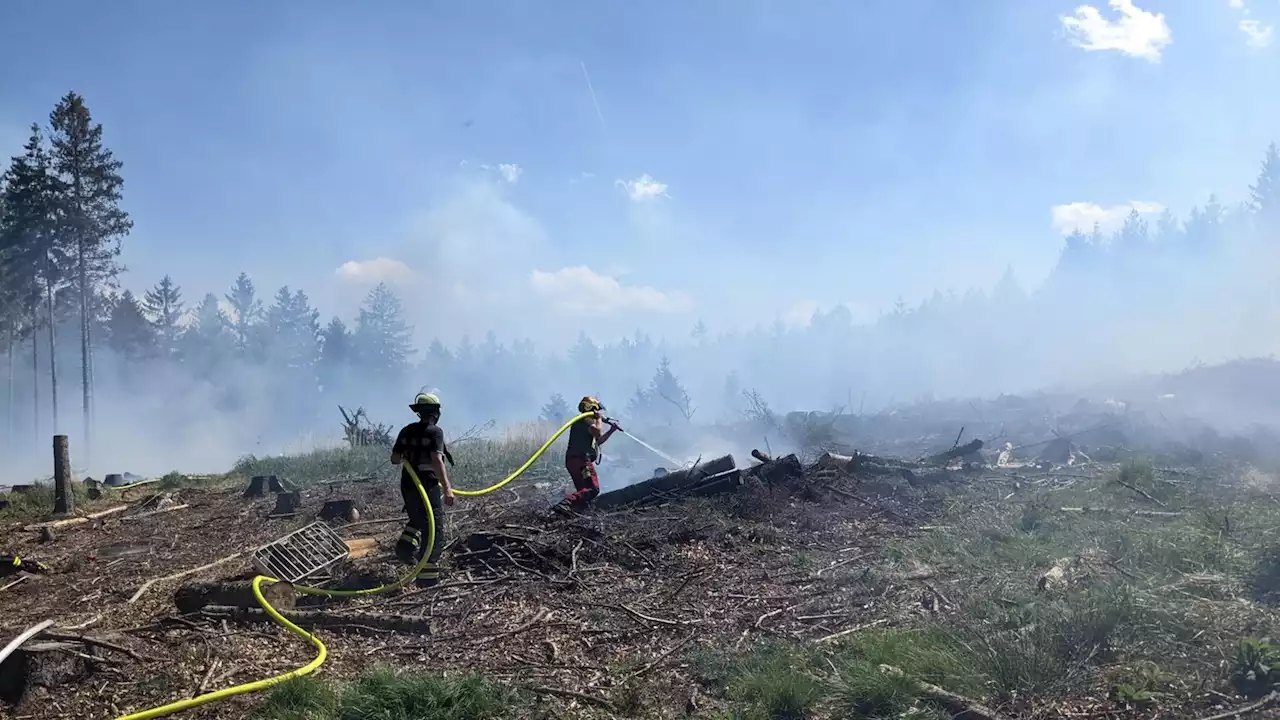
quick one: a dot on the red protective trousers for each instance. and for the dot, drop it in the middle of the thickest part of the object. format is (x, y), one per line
(585, 481)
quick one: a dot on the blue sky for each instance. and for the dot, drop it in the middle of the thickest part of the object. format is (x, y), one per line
(748, 159)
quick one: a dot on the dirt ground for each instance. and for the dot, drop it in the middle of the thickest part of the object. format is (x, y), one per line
(567, 606)
(596, 615)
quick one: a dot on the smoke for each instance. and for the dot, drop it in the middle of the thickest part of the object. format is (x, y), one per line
(754, 229)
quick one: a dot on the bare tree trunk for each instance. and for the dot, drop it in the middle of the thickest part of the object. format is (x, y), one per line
(9, 406)
(86, 368)
(53, 352)
(35, 378)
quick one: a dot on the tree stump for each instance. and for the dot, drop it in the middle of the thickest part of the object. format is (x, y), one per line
(287, 503)
(339, 510)
(196, 596)
(64, 497)
(31, 666)
(257, 486)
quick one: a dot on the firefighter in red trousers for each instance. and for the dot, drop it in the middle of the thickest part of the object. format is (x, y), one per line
(585, 438)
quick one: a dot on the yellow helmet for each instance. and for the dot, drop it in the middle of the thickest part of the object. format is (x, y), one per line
(424, 401)
(589, 404)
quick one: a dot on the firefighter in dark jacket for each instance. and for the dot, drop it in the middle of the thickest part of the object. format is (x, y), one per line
(422, 445)
(585, 438)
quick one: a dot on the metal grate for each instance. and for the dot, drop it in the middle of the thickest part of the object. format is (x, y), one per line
(305, 551)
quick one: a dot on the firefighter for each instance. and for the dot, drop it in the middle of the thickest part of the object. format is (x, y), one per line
(422, 445)
(585, 438)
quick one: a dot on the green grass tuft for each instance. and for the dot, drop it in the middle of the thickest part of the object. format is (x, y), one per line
(384, 694)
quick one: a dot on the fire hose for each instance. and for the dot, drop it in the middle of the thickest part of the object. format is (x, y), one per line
(321, 651)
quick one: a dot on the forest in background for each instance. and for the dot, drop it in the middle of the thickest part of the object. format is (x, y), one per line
(196, 376)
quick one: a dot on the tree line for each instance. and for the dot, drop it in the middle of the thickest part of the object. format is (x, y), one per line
(1144, 294)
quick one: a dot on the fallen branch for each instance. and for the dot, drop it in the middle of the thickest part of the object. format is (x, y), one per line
(591, 699)
(85, 639)
(1262, 704)
(658, 661)
(53, 524)
(15, 582)
(320, 618)
(958, 705)
(208, 675)
(183, 573)
(852, 630)
(1138, 513)
(25, 636)
(1140, 491)
(641, 616)
(161, 511)
(542, 614)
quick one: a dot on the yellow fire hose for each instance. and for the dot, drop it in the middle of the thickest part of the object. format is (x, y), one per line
(321, 651)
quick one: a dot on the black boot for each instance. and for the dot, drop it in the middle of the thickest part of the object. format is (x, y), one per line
(408, 549)
(429, 577)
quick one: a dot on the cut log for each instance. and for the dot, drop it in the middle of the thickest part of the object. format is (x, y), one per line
(1057, 451)
(943, 458)
(360, 547)
(320, 618)
(785, 469)
(196, 596)
(725, 482)
(835, 461)
(667, 484)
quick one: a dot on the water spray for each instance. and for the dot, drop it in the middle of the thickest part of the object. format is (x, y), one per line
(674, 462)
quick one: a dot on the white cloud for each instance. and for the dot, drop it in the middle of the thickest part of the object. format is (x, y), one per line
(1083, 216)
(1260, 35)
(371, 272)
(1136, 33)
(581, 290)
(643, 188)
(510, 172)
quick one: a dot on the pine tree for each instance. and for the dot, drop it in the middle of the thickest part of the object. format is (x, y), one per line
(246, 312)
(206, 343)
(699, 333)
(336, 353)
(665, 400)
(130, 334)
(163, 307)
(383, 338)
(30, 246)
(556, 410)
(293, 328)
(1264, 194)
(95, 223)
